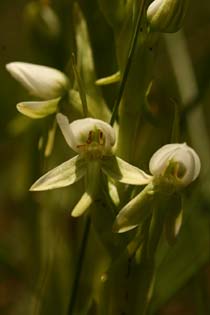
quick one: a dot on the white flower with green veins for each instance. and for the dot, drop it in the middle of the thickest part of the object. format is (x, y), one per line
(93, 140)
(46, 83)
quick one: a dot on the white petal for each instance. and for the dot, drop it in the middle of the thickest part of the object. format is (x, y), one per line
(63, 123)
(157, 164)
(63, 175)
(41, 81)
(124, 172)
(38, 110)
(82, 205)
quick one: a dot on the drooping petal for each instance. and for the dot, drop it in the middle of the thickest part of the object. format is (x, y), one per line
(41, 81)
(82, 205)
(63, 175)
(92, 183)
(124, 172)
(135, 211)
(38, 110)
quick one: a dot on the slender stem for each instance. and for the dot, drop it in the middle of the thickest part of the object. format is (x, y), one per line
(79, 266)
(129, 62)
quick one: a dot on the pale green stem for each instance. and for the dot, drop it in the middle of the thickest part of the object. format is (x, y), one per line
(144, 271)
(128, 62)
(80, 86)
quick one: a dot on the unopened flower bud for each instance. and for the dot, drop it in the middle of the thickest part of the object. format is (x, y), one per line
(177, 162)
(166, 15)
(41, 81)
(40, 17)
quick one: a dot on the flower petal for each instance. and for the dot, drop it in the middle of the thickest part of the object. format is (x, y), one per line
(82, 205)
(40, 81)
(38, 110)
(63, 175)
(63, 123)
(124, 172)
(92, 183)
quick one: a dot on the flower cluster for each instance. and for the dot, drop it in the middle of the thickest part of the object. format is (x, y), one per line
(172, 167)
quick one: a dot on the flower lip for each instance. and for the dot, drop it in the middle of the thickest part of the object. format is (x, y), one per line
(88, 135)
(178, 160)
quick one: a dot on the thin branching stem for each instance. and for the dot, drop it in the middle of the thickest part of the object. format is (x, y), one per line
(128, 64)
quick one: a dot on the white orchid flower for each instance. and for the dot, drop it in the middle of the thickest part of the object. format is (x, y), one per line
(173, 167)
(176, 161)
(93, 139)
(46, 83)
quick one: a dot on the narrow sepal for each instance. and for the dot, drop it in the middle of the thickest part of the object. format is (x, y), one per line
(82, 205)
(135, 211)
(174, 218)
(110, 79)
(63, 175)
(124, 172)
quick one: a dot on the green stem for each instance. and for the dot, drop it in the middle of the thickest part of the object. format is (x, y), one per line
(145, 269)
(79, 266)
(80, 86)
(128, 64)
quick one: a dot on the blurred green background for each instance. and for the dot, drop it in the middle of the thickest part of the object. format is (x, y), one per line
(32, 226)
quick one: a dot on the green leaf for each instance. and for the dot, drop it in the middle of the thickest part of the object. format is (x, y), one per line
(179, 263)
(38, 109)
(124, 172)
(135, 211)
(63, 175)
(86, 66)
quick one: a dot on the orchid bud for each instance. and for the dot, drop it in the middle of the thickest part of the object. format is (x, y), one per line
(41, 81)
(177, 163)
(88, 135)
(166, 15)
